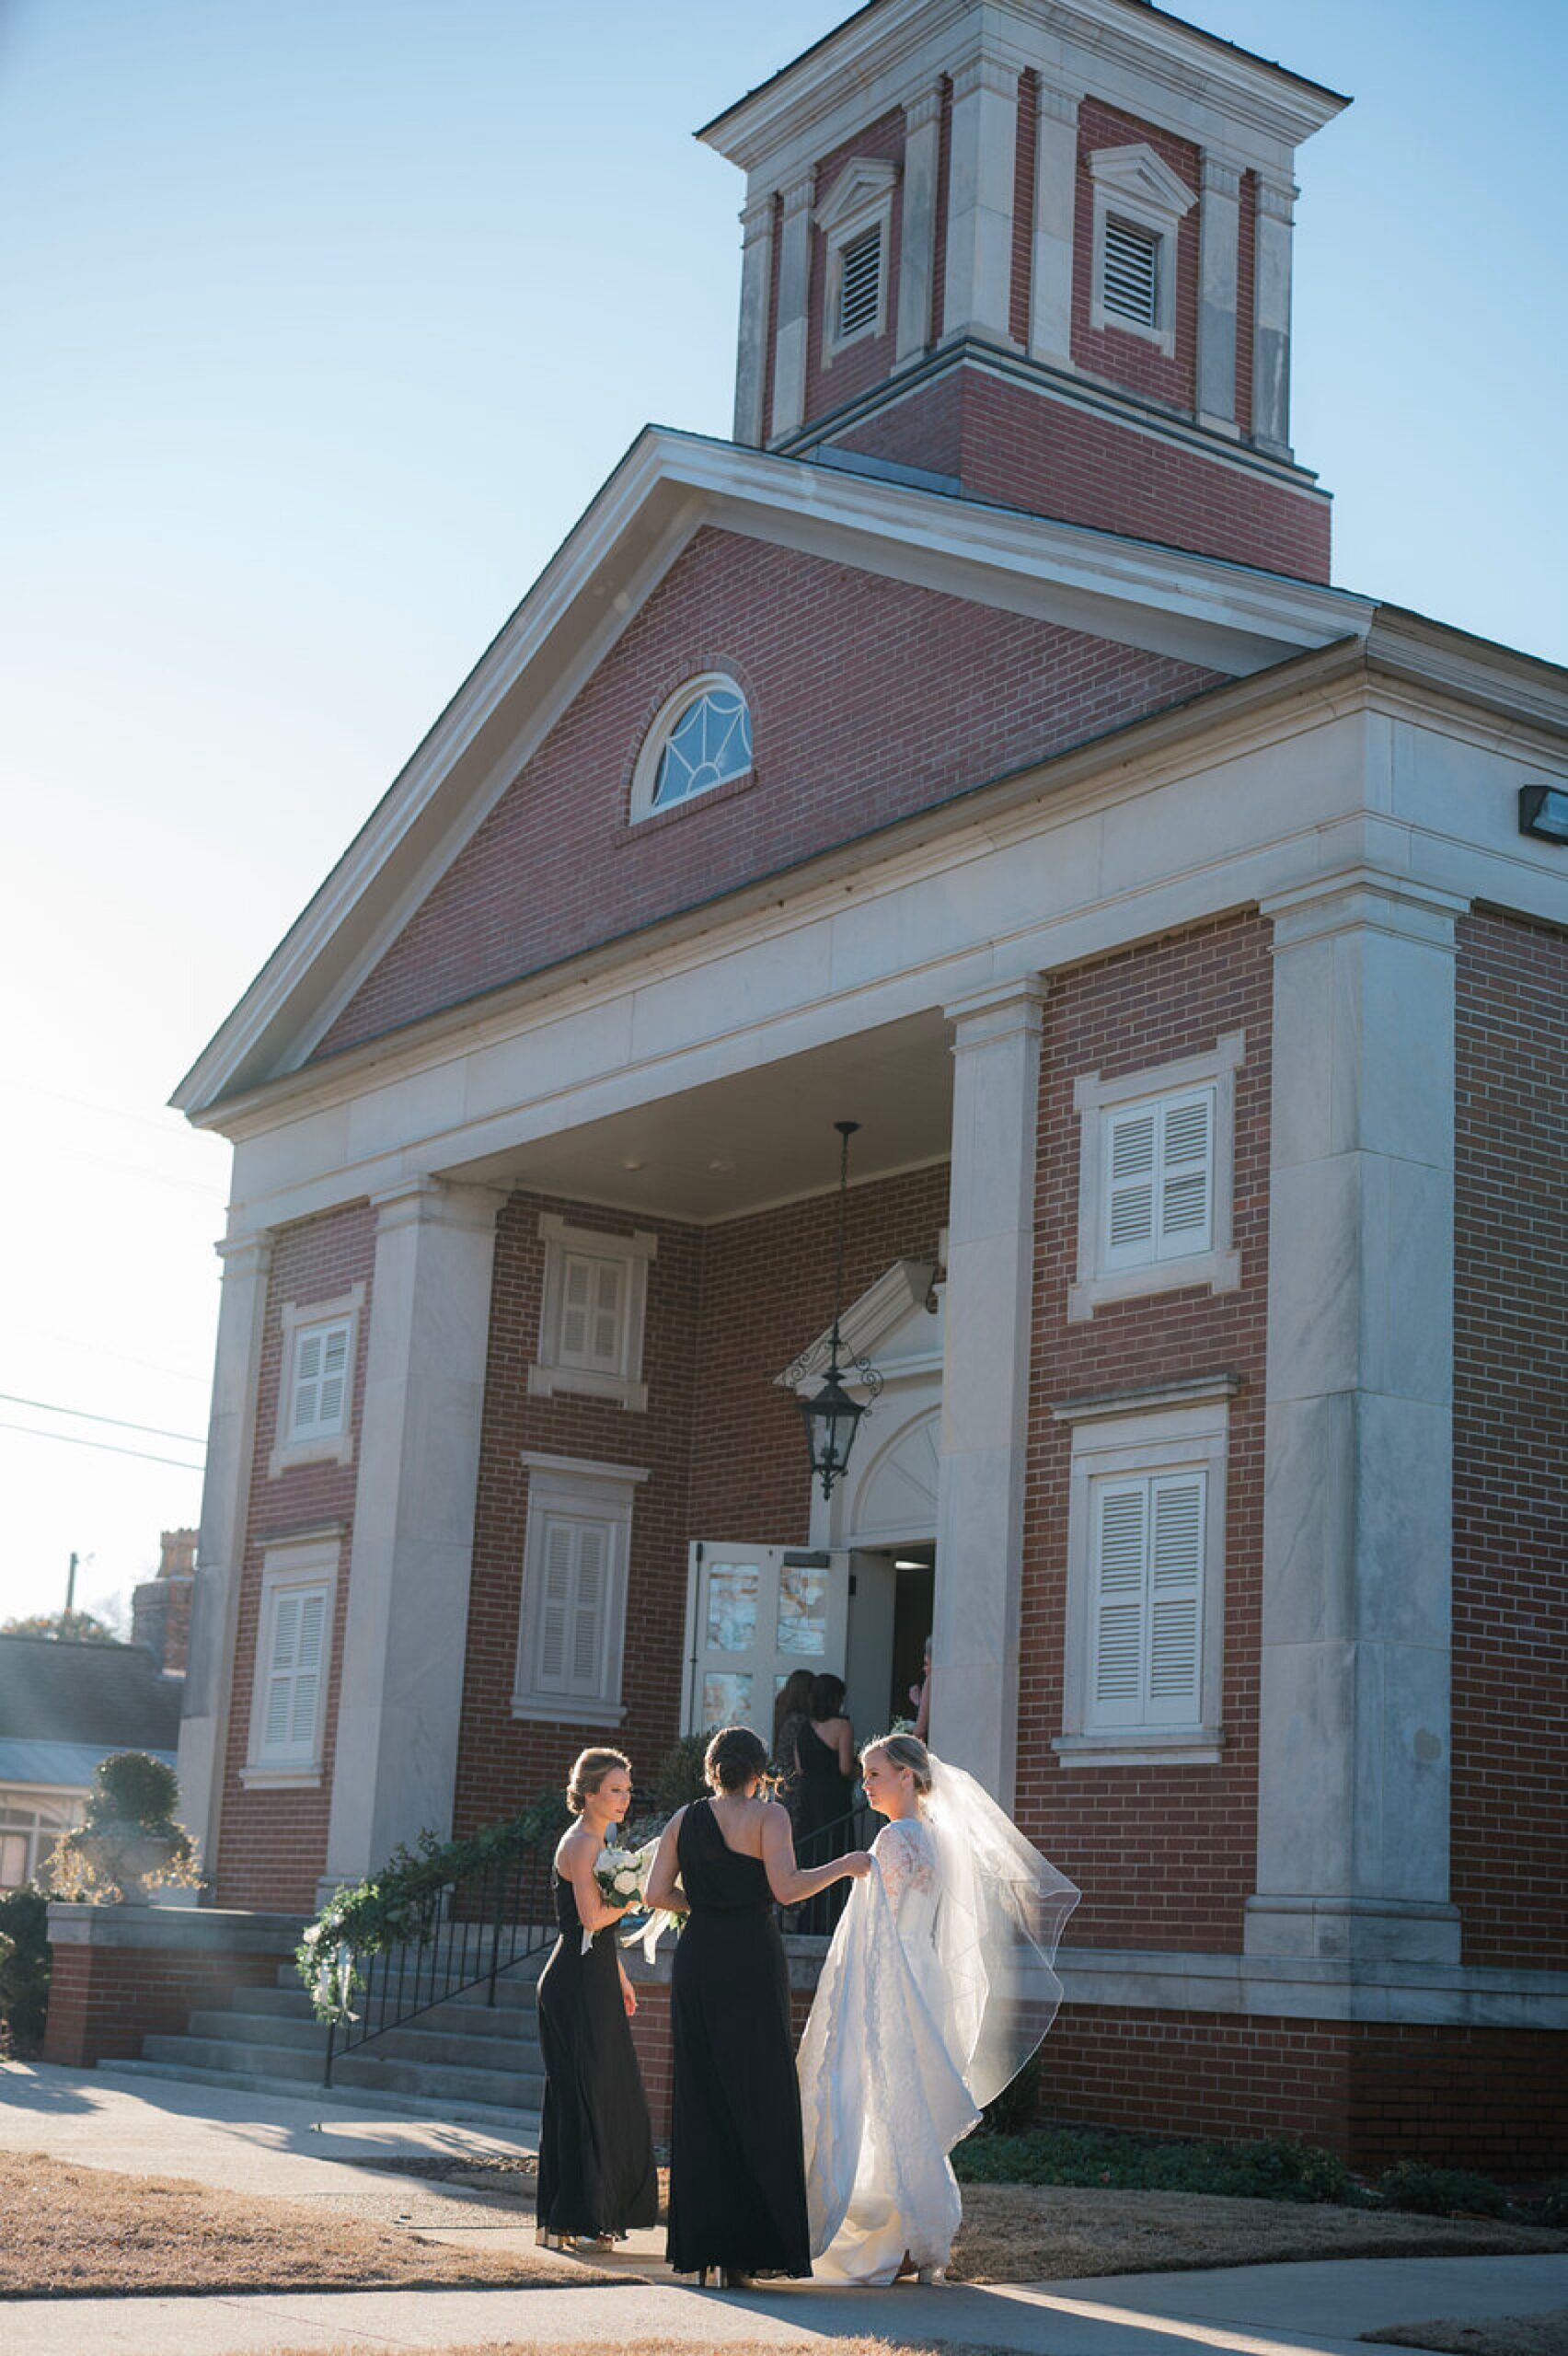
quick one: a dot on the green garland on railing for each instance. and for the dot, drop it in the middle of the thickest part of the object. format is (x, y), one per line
(400, 1903)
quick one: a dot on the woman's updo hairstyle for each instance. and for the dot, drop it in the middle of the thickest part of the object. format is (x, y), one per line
(589, 1772)
(733, 1758)
(904, 1751)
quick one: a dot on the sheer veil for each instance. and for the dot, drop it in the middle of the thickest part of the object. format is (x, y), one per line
(999, 1919)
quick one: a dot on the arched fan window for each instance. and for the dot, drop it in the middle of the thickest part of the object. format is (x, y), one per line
(701, 738)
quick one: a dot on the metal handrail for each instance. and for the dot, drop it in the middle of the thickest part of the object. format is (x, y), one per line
(818, 1916)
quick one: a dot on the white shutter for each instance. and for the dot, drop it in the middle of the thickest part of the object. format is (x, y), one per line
(296, 1659)
(280, 1673)
(576, 1308)
(321, 1379)
(334, 1379)
(1120, 1554)
(308, 1379)
(1186, 1175)
(554, 1605)
(859, 281)
(1131, 1152)
(588, 1606)
(308, 1667)
(1130, 289)
(606, 1352)
(1176, 1572)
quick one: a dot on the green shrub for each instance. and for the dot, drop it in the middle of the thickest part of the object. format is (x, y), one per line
(1441, 2192)
(1012, 2113)
(24, 1969)
(128, 1838)
(678, 1778)
(132, 1787)
(1551, 2202)
(1260, 2171)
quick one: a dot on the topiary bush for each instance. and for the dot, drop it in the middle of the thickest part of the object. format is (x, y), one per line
(1441, 2192)
(1260, 2171)
(24, 1970)
(128, 1838)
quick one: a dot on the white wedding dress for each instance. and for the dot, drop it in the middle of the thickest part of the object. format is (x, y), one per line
(937, 1988)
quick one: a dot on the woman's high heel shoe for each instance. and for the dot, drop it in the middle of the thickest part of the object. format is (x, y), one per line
(725, 2278)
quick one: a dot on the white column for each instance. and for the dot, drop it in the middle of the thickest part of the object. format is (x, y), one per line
(220, 1551)
(794, 293)
(917, 225)
(982, 169)
(401, 1691)
(990, 1295)
(1353, 1766)
(756, 287)
(1271, 330)
(1055, 205)
(1219, 246)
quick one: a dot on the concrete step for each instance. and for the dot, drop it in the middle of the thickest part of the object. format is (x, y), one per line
(454, 2016)
(426, 2038)
(370, 2070)
(514, 1985)
(497, 2119)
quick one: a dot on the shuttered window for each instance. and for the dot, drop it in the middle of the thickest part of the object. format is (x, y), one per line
(319, 1403)
(1159, 1180)
(295, 1643)
(1130, 287)
(860, 282)
(593, 1310)
(1146, 1600)
(573, 1562)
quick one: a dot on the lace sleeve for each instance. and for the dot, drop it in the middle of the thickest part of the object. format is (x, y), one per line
(903, 1858)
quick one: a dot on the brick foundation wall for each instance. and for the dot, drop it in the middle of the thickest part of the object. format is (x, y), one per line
(1165, 1855)
(1510, 1773)
(271, 1845)
(133, 1975)
(931, 694)
(1011, 444)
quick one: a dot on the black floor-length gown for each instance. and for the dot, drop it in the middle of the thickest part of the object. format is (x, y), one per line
(737, 2173)
(596, 2172)
(821, 1831)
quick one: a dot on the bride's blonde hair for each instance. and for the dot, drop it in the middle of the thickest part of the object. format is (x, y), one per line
(904, 1751)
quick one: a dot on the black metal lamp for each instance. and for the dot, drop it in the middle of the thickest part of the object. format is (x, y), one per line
(832, 1418)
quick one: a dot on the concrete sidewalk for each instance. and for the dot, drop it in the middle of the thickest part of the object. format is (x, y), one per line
(283, 2146)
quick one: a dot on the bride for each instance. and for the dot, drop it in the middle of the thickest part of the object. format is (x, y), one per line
(937, 1989)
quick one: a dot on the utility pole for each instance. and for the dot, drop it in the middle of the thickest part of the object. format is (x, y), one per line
(70, 1595)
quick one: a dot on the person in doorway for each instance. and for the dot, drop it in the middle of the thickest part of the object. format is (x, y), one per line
(790, 1713)
(596, 2172)
(737, 2173)
(921, 1697)
(825, 1748)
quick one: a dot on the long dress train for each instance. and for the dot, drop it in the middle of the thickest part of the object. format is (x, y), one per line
(737, 2173)
(596, 2172)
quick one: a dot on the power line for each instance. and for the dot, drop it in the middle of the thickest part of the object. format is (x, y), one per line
(85, 1415)
(107, 1446)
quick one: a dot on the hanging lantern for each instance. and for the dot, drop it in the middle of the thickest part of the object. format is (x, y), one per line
(832, 1418)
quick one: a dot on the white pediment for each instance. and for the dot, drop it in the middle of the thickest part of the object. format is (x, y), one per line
(892, 1324)
(860, 187)
(1142, 180)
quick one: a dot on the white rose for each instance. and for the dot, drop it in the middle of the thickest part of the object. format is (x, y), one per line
(626, 1881)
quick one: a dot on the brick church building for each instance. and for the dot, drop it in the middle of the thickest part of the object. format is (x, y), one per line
(974, 747)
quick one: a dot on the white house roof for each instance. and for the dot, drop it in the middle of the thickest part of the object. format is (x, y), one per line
(1205, 610)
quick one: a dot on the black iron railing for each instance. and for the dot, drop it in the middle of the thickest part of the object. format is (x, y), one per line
(471, 1932)
(819, 1915)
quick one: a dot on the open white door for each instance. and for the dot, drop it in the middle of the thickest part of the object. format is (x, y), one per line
(753, 1614)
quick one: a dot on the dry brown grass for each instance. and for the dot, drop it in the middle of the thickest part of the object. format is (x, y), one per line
(1028, 2233)
(75, 2230)
(1540, 2335)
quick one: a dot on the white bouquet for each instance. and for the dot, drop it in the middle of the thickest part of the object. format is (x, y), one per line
(622, 1875)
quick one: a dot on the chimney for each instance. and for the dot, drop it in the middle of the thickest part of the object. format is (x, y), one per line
(160, 1608)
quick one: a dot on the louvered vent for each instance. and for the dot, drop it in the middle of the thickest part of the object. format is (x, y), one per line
(860, 282)
(1130, 289)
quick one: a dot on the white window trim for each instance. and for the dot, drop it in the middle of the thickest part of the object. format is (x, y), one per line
(1179, 1428)
(1134, 184)
(585, 1490)
(309, 1560)
(645, 776)
(1218, 1268)
(861, 200)
(546, 1375)
(339, 1447)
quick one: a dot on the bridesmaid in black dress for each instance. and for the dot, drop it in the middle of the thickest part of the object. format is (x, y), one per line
(737, 2174)
(596, 2172)
(824, 1749)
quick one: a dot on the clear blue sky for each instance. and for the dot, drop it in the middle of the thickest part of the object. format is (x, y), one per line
(323, 320)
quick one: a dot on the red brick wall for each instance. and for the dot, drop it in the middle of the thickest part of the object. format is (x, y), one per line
(1124, 358)
(1246, 299)
(870, 699)
(1012, 444)
(1024, 209)
(271, 1846)
(944, 190)
(1510, 1773)
(1165, 1856)
(1482, 2098)
(868, 362)
(103, 2001)
(728, 1308)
